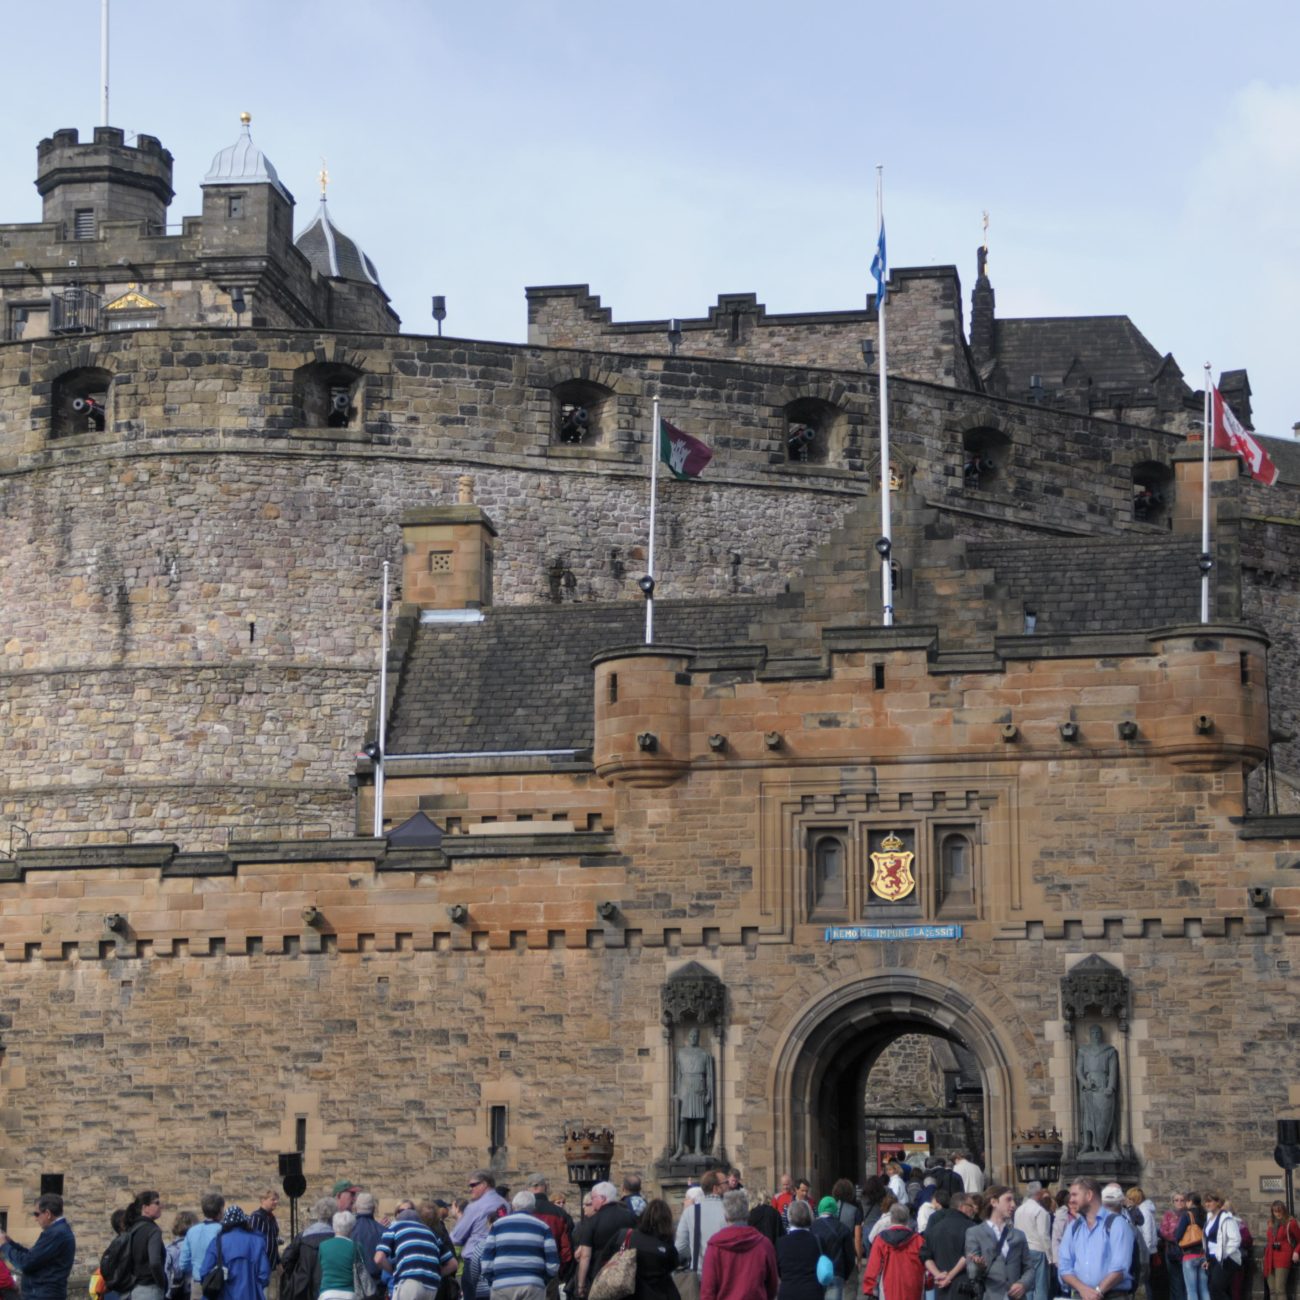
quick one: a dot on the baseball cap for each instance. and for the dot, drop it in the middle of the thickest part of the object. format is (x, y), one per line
(1112, 1194)
(344, 1185)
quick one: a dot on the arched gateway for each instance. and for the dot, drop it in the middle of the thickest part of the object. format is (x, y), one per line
(827, 1051)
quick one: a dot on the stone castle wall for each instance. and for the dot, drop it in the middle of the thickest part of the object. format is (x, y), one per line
(924, 332)
(393, 1049)
(139, 557)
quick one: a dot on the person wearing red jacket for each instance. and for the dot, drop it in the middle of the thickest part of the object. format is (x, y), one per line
(740, 1263)
(1281, 1249)
(895, 1263)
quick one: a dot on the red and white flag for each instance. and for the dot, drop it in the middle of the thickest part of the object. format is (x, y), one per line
(1229, 435)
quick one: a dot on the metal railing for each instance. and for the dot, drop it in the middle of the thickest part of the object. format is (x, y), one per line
(74, 310)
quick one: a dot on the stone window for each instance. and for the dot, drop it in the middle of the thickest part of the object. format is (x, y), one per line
(812, 431)
(955, 877)
(327, 395)
(828, 875)
(1153, 494)
(985, 454)
(79, 402)
(582, 413)
(235, 206)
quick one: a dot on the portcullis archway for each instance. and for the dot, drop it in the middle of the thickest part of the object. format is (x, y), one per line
(827, 1052)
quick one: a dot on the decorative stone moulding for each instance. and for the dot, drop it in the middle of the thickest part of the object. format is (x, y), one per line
(1095, 985)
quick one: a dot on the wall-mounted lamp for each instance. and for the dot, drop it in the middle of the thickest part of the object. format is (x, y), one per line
(458, 913)
(1069, 731)
(674, 334)
(313, 917)
(883, 547)
(115, 922)
(606, 910)
(772, 739)
(717, 742)
(1259, 895)
(1010, 731)
(1128, 729)
(237, 304)
(647, 741)
(439, 310)
(1204, 724)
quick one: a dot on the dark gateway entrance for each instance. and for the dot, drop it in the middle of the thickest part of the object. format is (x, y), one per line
(822, 1072)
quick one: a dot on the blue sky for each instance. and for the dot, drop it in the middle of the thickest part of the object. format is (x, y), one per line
(1138, 158)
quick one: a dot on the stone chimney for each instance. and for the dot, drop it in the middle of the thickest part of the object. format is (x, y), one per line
(447, 554)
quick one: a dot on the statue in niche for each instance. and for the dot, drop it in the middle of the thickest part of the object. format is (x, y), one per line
(1096, 1071)
(694, 1096)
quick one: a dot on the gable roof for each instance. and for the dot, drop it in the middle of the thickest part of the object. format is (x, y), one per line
(1110, 350)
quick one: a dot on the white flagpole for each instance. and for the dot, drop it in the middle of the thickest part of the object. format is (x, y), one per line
(103, 63)
(383, 716)
(1206, 437)
(886, 574)
(650, 572)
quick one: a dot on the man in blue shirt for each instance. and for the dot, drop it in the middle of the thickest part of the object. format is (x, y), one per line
(46, 1265)
(1097, 1250)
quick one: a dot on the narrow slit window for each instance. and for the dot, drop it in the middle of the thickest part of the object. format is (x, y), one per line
(497, 1128)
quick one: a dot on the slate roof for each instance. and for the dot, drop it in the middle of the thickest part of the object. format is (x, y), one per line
(1109, 585)
(522, 678)
(1111, 349)
(333, 253)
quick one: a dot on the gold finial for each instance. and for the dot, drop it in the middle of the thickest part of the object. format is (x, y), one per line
(245, 117)
(323, 177)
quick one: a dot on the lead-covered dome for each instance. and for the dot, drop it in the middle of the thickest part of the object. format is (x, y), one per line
(243, 163)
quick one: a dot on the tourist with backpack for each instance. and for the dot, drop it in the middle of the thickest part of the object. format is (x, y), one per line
(237, 1261)
(1096, 1254)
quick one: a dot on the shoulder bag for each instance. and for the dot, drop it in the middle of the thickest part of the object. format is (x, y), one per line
(214, 1280)
(617, 1280)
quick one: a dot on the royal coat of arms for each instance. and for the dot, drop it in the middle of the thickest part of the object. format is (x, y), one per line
(891, 870)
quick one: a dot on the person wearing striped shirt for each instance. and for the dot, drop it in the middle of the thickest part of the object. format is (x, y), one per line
(520, 1255)
(415, 1257)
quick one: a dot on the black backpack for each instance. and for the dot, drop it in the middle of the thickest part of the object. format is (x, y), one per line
(300, 1279)
(116, 1266)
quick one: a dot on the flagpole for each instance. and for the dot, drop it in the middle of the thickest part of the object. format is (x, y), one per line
(382, 736)
(886, 573)
(103, 63)
(1206, 558)
(648, 582)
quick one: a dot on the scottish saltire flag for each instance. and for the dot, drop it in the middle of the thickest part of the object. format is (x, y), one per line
(685, 456)
(880, 268)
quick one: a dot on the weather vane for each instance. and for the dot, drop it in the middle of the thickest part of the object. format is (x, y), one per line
(986, 230)
(324, 177)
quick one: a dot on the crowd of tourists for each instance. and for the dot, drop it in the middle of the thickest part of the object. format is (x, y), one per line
(938, 1232)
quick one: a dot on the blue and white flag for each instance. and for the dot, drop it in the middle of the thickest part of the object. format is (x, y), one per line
(880, 268)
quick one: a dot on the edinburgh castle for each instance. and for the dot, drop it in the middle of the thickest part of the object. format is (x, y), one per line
(1044, 812)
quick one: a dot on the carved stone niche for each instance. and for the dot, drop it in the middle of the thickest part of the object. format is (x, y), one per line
(1095, 985)
(694, 1017)
(1095, 1008)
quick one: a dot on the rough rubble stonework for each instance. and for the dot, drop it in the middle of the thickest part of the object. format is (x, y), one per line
(206, 953)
